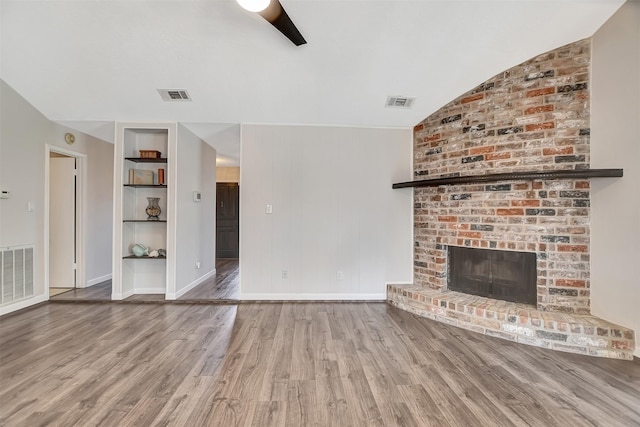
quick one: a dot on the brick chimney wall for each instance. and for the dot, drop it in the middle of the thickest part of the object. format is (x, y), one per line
(532, 117)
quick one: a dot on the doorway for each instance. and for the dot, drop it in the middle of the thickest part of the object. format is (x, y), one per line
(63, 227)
(225, 283)
(227, 220)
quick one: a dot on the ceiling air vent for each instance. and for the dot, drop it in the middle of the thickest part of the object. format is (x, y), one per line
(174, 95)
(400, 101)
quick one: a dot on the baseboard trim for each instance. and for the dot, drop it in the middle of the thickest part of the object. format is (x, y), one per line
(178, 294)
(312, 297)
(119, 297)
(148, 291)
(98, 280)
(19, 305)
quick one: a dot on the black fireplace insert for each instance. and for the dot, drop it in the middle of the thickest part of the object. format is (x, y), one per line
(505, 275)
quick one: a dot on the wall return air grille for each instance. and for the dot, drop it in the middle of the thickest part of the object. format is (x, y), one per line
(174, 95)
(16, 274)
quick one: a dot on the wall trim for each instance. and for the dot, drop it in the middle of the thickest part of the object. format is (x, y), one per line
(121, 295)
(313, 297)
(148, 291)
(19, 305)
(176, 295)
(98, 280)
(81, 197)
(324, 125)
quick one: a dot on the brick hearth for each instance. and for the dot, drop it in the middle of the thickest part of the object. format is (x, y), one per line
(572, 333)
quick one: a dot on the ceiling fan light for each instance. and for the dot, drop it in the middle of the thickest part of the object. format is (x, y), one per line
(254, 5)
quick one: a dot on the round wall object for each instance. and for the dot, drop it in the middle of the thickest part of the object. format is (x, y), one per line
(69, 138)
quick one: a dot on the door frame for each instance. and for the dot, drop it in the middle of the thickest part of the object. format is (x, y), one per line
(81, 186)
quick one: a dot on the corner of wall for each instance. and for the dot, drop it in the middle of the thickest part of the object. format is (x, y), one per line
(615, 128)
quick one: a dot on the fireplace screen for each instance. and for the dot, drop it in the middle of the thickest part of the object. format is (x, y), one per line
(505, 275)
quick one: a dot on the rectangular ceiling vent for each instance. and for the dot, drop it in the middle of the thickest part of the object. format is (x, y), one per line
(400, 101)
(174, 95)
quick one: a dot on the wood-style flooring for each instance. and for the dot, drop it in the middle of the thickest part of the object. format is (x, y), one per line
(57, 291)
(291, 364)
(99, 292)
(222, 286)
(225, 284)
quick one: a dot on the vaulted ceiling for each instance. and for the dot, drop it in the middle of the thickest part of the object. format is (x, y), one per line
(86, 63)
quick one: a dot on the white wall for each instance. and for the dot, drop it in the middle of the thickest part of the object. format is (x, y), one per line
(615, 210)
(24, 134)
(195, 229)
(333, 210)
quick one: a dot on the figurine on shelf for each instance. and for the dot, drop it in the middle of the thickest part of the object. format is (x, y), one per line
(153, 254)
(140, 250)
(162, 252)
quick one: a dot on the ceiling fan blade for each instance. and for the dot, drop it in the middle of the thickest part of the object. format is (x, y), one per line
(277, 16)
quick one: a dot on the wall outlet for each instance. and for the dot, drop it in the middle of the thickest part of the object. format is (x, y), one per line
(268, 209)
(198, 264)
(285, 274)
(339, 275)
(5, 194)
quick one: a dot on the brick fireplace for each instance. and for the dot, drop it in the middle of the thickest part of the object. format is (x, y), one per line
(532, 117)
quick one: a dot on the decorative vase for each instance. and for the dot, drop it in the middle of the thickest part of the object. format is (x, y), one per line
(153, 209)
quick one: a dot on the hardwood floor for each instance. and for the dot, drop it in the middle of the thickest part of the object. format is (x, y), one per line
(288, 364)
(224, 285)
(58, 291)
(99, 292)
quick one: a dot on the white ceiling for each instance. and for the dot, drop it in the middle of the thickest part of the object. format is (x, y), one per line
(89, 63)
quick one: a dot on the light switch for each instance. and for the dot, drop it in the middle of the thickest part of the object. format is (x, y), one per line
(29, 207)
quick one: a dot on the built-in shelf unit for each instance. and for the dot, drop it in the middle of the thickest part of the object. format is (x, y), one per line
(133, 274)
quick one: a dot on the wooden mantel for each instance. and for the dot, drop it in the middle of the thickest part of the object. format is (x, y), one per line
(512, 176)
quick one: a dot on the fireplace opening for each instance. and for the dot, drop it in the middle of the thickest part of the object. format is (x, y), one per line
(504, 275)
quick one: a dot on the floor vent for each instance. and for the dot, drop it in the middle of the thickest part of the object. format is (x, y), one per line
(16, 274)
(400, 101)
(174, 95)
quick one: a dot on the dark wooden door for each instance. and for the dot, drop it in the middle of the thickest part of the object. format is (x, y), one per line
(227, 220)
